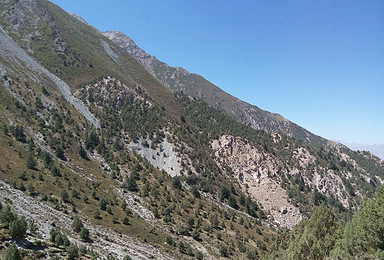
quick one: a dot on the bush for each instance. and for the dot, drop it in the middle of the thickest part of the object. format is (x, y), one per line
(223, 250)
(170, 241)
(96, 214)
(196, 234)
(199, 255)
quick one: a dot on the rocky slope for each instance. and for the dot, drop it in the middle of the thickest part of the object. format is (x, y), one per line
(261, 174)
(254, 170)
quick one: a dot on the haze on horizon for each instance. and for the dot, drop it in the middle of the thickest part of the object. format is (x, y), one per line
(319, 64)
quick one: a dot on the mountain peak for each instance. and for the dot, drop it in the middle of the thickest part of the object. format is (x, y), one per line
(127, 43)
(78, 17)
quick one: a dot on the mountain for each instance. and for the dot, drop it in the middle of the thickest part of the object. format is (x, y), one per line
(101, 160)
(375, 149)
(180, 80)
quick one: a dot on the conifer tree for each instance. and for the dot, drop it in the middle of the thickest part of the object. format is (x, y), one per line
(13, 253)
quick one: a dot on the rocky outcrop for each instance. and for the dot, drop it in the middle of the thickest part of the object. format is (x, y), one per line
(254, 169)
(109, 92)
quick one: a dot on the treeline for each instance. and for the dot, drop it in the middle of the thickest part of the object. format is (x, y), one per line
(322, 236)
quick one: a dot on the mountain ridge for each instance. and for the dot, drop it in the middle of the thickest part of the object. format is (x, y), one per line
(179, 79)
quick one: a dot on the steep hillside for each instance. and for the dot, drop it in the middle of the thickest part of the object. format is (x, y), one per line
(99, 159)
(180, 80)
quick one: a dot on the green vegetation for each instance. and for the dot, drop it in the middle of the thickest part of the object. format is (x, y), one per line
(12, 253)
(322, 236)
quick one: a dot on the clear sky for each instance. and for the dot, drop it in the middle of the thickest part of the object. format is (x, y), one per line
(320, 64)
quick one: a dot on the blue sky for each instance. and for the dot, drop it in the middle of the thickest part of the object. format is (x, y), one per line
(320, 64)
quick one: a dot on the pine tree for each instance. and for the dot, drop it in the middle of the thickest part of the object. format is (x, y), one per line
(232, 202)
(77, 225)
(103, 204)
(64, 196)
(84, 234)
(7, 216)
(96, 214)
(82, 152)
(73, 252)
(60, 153)
(18, 228)
(13, 253)
(30, 163)
(176, 184)
(130, 184)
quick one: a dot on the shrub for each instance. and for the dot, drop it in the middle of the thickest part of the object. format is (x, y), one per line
(96, 214)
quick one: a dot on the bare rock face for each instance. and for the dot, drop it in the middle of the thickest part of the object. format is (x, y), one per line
(254, 170)
(163, 158)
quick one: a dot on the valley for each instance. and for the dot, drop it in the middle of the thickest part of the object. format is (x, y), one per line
(108, 153)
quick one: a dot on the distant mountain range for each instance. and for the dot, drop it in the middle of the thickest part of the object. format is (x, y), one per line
(375, 149)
